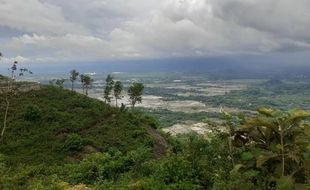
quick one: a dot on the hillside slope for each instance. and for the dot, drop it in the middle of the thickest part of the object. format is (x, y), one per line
(56, 126)
(61, 140)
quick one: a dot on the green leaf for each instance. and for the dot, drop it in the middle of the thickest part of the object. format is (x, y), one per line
(237, 168)
(245, 156)
(267, 112)
(285, 183)
(298, 115)
(307, 130)
(261, 159)
(262, 122)
(293, 155)
(279, 147)
(256, 152)
(274, 147)
(278, 170)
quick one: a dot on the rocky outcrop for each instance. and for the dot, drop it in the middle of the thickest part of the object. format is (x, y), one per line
(20, 86)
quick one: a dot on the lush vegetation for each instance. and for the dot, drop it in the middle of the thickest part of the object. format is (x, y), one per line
(59, 139)
(52, 126)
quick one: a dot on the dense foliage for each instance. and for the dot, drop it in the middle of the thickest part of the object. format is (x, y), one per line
(58, 139)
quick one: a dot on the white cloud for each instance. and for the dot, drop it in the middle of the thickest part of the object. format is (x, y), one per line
(121, 29)
(10, 60)
(36, 16)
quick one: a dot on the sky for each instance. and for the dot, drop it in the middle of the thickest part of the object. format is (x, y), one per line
(50, 31)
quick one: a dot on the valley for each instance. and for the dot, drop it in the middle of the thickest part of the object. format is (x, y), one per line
(183, 100)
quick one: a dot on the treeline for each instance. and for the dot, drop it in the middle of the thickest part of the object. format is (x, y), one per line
(112, 89)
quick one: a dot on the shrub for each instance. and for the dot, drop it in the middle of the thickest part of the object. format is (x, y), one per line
(174, 169)
(32, 113)
(151, 121)
(2, 162)
(74, 143)
(105, 166)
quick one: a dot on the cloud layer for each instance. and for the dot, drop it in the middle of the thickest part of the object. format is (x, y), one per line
(88, 30)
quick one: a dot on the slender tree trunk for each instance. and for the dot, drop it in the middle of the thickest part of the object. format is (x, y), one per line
(5, 118)
(72, 86)
(86, 90)
(116, 102)
(230, 143)
(6, 110)
(133, 105)
(231, 151)
(282, 149)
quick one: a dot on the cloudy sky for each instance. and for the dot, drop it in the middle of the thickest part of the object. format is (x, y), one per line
(92, 30)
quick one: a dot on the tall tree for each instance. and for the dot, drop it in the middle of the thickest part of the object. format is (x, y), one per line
(73, 77)
(57, 82)
(135, 92)
(60, 83)
(118, 88)
(108, 88)
(88, 81)
(82, 78)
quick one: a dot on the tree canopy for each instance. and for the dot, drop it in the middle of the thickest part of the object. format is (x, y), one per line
(135, 92)
(108, 88)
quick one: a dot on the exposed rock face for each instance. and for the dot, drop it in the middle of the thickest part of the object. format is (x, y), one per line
(20, 86)
(161, 146)
(29, 86)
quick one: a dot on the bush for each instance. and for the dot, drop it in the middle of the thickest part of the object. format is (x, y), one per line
(106, 166)
(250, 179)
(32, 113)
(174, 169)
(2, 162)
(74, 143)
(151, 121)
(25, 177)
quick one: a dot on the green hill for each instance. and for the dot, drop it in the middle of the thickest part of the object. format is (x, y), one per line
(53, 126)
